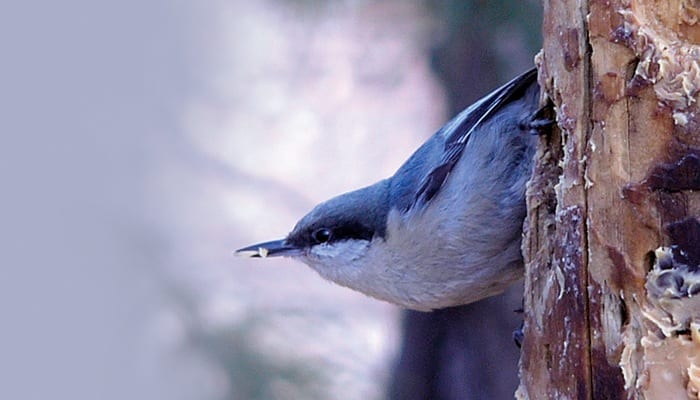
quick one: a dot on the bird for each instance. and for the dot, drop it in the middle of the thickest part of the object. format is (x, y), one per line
(446, 228)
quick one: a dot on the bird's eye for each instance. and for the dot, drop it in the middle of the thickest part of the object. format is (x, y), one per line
(321, 235)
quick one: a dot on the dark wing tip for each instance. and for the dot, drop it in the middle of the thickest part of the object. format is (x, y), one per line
(457, 140)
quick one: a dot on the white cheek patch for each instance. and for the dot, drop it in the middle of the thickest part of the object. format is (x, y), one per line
(348, 250)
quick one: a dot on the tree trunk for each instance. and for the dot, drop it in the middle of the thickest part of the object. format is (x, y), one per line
(612, 246)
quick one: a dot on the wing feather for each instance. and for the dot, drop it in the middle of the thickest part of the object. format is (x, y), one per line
(456, 141)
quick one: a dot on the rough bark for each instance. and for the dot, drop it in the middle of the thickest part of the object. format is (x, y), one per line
(612, 241)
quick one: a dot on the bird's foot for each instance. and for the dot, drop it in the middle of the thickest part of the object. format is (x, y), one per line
(538, 122)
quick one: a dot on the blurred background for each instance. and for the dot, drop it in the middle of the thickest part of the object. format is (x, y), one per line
(143, 141)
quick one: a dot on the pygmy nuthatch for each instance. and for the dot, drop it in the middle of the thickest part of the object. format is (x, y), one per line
(445, 230)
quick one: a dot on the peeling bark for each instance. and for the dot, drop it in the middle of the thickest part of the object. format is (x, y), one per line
(612, 243)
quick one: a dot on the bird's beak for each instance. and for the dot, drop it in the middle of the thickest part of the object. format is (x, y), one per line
(268, 249)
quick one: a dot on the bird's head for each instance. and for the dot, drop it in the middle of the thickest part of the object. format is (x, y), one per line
(337, 236)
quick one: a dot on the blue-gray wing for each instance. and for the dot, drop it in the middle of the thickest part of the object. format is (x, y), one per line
(460, 129)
